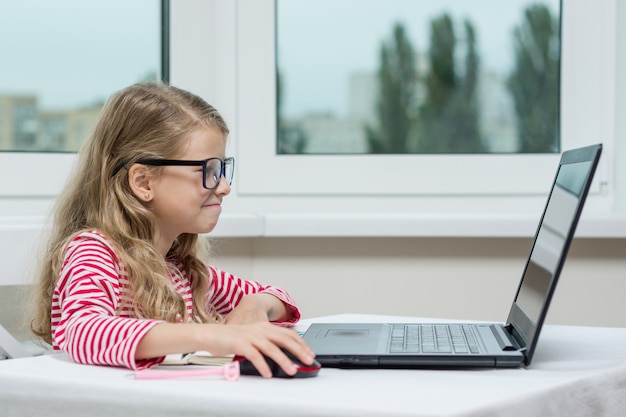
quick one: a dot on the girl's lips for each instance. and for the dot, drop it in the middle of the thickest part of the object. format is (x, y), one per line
(213, 203)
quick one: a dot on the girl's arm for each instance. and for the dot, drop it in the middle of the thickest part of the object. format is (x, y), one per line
(85, 301)
(253, 341)
(244, 301)
(259, 307)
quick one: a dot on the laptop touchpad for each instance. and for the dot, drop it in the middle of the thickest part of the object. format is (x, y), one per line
(344, 333)
(345, 338)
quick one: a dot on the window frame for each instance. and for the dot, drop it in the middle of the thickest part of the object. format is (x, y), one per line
(241, 43)
(207, 57)
(42, 175)
(408, 174)
(288, 204)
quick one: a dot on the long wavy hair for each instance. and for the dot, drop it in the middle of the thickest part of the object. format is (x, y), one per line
(145, 120)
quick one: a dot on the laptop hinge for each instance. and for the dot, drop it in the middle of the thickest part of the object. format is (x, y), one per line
(503, 337)
(516, 336)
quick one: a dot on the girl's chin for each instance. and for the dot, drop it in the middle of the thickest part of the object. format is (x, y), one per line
(208, 227)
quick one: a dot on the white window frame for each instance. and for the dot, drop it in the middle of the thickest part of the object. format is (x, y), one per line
(223, 50)
(344, 175)
(240, 81)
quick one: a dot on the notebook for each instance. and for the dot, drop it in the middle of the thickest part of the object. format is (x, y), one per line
(471, 345)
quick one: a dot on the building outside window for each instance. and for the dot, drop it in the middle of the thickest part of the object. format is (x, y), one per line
(60, 62)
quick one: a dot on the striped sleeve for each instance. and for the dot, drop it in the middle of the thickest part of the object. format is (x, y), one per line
(227, 290)
(85, 323)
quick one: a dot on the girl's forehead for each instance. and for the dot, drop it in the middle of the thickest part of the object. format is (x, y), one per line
(204, 143)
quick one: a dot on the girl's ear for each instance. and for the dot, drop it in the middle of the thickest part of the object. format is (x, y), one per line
(139, 181)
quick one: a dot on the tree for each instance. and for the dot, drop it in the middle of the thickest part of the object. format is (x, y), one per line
(534, 82)
(395, 106)
(291, 139)
(449, 114)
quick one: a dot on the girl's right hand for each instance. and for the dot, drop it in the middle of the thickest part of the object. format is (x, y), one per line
(256, 340)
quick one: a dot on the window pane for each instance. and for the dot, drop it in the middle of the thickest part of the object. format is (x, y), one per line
(407, 76)
(61, 60)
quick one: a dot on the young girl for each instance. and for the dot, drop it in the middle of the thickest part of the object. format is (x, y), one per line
(122, 282)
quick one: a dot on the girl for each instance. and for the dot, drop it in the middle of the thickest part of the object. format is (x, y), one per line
(122, 281)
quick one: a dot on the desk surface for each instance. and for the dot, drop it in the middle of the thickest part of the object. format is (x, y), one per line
(577, 371)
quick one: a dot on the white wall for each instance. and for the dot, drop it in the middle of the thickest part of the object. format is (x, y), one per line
(429, 277)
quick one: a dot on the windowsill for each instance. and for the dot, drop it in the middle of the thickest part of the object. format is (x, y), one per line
(406, 225)
(20, 236)
(591, 225)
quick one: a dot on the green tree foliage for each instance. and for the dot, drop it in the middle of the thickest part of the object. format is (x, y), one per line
(449, 114)
(534, 82)
(292, 139)
(396, 96)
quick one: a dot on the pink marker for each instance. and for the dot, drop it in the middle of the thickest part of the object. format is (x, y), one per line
(229, 370)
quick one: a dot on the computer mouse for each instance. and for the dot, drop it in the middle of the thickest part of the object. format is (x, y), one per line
(304, 371)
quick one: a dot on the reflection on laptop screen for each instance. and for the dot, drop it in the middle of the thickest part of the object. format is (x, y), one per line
(552, 236)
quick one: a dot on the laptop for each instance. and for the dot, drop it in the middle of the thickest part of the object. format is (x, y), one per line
(475, 345)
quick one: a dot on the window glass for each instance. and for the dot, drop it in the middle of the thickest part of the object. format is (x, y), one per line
(60, 61)
(420, 77)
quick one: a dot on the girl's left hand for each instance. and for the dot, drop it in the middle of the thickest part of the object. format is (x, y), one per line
(254, 308)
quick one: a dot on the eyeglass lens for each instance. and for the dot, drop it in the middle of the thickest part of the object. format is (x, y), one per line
(214, 172)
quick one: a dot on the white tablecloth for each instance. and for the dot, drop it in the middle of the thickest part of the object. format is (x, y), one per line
(577, 371)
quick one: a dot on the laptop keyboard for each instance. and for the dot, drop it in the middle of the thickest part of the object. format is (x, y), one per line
(433, 338)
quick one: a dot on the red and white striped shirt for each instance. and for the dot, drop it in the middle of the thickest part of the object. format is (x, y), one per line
(92, 317)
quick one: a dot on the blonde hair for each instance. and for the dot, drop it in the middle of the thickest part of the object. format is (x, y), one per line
(146, 120)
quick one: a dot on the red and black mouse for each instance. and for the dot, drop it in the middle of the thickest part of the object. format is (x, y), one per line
(304, 371)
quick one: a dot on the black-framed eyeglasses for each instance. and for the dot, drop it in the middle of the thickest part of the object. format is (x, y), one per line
(213, 169)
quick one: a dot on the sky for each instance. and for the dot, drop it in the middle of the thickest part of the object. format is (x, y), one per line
(85, 52)
(111, 43)
(320, 45)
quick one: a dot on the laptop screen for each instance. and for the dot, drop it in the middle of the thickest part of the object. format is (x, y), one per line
(550, 247)
(551, 239)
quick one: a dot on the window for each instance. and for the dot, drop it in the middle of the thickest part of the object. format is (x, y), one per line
(225, 51)
(585, 90)
(60, 62)
(406, 76)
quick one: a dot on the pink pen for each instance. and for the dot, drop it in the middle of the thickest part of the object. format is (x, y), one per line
(230, 371)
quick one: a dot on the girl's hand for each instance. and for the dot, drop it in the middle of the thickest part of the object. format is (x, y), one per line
(259, 307)
(256, 340)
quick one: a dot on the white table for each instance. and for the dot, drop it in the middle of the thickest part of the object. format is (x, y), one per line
(577, 371)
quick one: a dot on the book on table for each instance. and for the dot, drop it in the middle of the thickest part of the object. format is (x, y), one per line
(197, 358)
